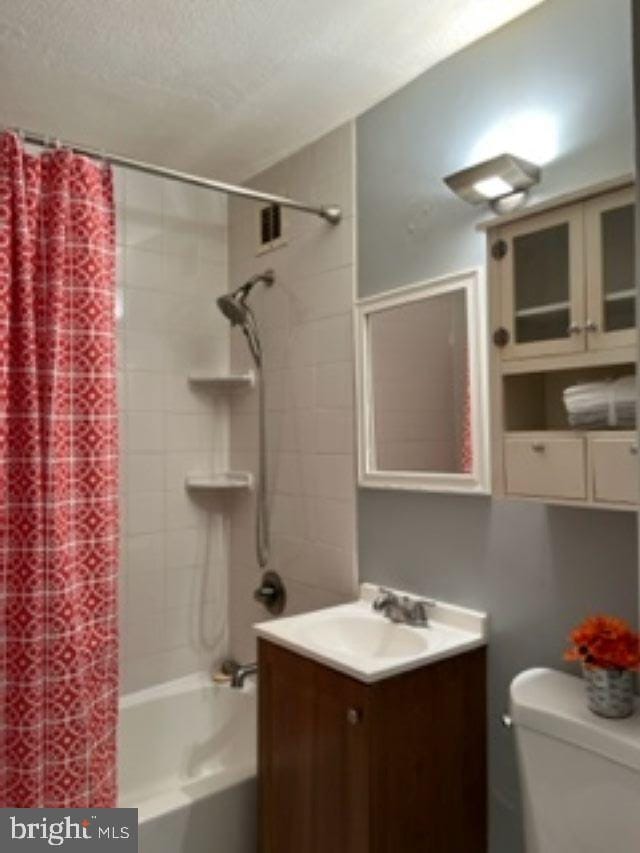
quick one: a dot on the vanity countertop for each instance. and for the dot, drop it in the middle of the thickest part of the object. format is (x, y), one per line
(362, 643)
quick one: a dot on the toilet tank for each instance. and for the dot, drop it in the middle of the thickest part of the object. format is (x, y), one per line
(579, 773)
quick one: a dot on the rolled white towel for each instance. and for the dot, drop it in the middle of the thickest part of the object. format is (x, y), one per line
(610, 403)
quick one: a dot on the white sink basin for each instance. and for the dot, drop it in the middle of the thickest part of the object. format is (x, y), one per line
(356, 640)
(360, 633)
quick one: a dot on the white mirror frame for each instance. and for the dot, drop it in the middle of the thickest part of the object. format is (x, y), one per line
(478, 480)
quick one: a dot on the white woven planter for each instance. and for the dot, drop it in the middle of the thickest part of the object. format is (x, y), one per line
(609, 691)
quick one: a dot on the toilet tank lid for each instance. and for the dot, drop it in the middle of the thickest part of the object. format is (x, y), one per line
(554, 704)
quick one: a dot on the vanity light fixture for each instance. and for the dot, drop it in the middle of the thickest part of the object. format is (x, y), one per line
(502, 182)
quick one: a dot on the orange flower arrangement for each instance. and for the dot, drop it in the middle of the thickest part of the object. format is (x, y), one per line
(605, 642)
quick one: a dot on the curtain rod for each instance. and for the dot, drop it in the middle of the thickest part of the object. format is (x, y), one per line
(330, 213)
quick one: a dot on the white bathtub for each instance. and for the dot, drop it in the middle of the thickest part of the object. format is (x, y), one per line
(188, 764)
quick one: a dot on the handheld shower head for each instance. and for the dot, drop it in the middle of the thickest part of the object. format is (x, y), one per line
(232, 308)
(233, 305)
(236, 309)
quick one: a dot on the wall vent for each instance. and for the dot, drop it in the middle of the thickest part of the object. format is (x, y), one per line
(270, 227)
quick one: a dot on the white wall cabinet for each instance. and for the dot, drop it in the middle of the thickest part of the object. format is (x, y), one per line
(614, 468)
(610, 270)
(589, 468)
(545, 465)
(563, 313)
(541, 272)
(567, 278)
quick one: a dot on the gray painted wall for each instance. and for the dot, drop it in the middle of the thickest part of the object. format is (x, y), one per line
(567, 61)
(536, 569)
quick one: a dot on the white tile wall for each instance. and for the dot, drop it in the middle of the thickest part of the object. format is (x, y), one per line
(172, 263)
(306, 326)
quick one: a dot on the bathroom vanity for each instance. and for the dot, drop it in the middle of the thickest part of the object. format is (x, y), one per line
(388, 759)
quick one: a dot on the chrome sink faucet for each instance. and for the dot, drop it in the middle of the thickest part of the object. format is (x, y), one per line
(402, 609)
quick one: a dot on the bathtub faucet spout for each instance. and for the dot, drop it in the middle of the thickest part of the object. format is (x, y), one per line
(240, 672)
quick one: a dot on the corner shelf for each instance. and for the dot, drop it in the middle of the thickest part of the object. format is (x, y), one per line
(224, 382)
(220, 482)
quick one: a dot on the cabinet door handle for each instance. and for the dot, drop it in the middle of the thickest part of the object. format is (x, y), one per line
(633, 449)
(538, 447)
(574, 328)
(591, 326)
(354, 716)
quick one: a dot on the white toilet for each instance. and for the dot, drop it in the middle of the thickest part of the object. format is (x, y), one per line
(579, 774)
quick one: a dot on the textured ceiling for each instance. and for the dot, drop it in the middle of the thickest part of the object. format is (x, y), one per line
(219, 87)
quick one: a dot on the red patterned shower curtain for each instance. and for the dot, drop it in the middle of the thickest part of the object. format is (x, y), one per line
(58, 481)
(466, 445)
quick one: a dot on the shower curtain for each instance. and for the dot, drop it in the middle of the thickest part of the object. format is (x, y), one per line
(58, 481)
(466, 446)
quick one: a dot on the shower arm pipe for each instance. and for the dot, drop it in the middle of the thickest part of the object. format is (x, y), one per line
(331, 213)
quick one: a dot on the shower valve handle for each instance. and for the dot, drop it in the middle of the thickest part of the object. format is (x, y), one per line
(265, 593)
(271, 593)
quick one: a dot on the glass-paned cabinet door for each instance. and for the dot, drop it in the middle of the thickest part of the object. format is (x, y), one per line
(540, 264)
(611, 286)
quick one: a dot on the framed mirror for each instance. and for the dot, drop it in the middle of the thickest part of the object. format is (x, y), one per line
(422, 387)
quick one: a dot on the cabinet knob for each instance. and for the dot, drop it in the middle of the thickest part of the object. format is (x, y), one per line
(499, 249)
(538, 447)
(591, 326)
(574, 328)
(501, 336)
(353, 716)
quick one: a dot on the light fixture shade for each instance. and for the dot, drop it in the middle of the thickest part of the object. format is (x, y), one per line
(493, 179)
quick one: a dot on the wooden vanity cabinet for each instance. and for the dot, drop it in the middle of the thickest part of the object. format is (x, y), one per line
(397, 766)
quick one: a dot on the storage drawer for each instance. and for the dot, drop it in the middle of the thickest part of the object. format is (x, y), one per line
(614, 469)
(538, 465)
